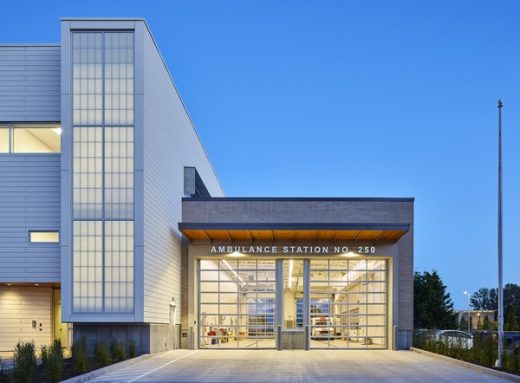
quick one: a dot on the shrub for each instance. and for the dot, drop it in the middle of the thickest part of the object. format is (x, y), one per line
(102, 353)
(132, 349)
(118, 350)
(24, 362)
(52, 361)
(511, 360)
(484, 351)
(80, 355)
(4, 376)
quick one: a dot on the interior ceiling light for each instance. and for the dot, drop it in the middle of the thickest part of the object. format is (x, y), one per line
(291, 267)
(58, 131)
(234, 273)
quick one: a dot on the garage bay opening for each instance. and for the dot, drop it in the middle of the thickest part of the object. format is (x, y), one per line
(307, 303)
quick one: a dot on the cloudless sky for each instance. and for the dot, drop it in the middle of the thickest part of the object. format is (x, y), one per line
(347, 98)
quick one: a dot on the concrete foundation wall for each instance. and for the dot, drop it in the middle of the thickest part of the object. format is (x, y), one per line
(148, 338)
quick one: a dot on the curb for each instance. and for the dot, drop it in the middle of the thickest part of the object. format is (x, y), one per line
(471, 366)
(103, 370)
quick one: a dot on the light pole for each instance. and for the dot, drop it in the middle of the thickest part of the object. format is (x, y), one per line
(498, 363)
(468, 294)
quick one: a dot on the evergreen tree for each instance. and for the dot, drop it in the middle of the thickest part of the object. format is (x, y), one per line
(463, 324)
(486, 325)
(487, 299)
(512, 321)
(484, 299)
(433, 307)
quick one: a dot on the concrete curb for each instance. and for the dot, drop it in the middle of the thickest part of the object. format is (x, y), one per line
(475, 367)
(101, 371)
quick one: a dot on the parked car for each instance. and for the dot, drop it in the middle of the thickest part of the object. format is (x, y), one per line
(321, 326)
(455, 338)
(512, 338)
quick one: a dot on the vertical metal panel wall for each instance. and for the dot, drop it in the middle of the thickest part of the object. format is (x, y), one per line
(170, 143)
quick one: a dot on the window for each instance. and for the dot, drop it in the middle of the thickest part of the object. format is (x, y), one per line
(34, 139)
(44, 236)
(4, 139)
(30, 139)
(103, 171)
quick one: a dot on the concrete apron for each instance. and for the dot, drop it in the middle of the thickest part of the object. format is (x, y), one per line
(104, 370)
(475, 367)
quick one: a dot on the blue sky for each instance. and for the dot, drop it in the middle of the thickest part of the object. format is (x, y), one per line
(347, 98)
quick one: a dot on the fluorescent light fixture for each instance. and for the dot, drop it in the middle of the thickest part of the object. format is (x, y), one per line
(58, 131)
(291, 267)
(233, 271)
(236, 254)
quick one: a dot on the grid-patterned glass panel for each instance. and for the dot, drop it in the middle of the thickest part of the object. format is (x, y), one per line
(119, 79)
(348, 303)
(119, 172)
(87, 266)
(87, 75)
(119, 266)
(87, 180)
(237, 303)
(103, 158)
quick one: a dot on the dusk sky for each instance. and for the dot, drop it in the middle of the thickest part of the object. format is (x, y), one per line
(347, 99)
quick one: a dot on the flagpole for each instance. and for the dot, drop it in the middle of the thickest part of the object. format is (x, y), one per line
(498, 363)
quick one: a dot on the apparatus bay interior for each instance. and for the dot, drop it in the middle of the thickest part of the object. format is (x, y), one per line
(335, 302)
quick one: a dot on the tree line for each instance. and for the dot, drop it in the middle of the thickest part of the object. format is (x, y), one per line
(433, 306)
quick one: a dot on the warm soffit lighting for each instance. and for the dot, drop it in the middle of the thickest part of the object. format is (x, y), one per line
(37, 284)
(9, 284)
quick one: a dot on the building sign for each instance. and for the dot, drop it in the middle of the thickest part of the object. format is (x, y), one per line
(292, 249)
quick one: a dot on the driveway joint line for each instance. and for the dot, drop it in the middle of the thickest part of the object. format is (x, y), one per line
(164, 365)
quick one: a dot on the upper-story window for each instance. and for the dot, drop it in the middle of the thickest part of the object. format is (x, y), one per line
(30, 139)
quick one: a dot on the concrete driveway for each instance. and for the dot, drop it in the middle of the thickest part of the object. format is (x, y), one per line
(295, 366)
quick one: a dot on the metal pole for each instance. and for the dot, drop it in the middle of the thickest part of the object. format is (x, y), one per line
(498, 363)
(469, 315)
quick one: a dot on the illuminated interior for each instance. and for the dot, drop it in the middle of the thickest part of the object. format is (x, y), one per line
(30, 139)
(237, 303)
(347, 302)
(44, 236)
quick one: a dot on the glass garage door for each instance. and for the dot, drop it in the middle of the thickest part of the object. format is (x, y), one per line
(237, 303)
(348, 304)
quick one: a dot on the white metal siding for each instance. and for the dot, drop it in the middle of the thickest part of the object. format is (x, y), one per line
(170, 143)
(29, 200)
(29, 83)
(19, 306)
